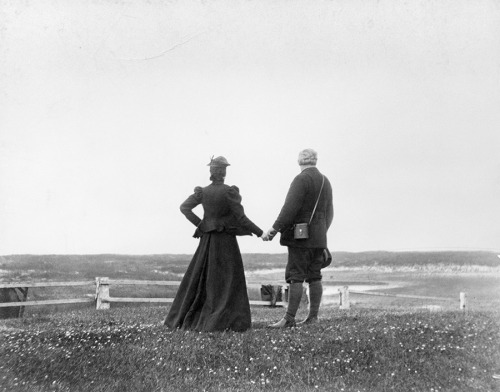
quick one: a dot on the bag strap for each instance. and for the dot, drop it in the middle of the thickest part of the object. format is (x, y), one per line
(317, 200)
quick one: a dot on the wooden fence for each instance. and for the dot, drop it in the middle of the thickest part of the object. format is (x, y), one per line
(346, 304)
(102, 298)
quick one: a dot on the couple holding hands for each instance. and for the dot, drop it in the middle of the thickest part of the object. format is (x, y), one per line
(213, 294)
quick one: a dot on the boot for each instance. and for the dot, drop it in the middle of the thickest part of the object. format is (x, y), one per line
(315, 294)
(285, 322)
(294, 297)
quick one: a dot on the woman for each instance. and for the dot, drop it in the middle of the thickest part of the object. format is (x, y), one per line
(213, 294)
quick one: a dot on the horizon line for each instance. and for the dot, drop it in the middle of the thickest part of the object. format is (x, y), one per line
(422, 250)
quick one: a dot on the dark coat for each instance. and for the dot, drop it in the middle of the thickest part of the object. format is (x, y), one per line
(223, 211)
(298, 208)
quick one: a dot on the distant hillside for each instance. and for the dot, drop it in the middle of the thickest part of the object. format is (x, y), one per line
(165, 267)
(79, 267)
(381, 258)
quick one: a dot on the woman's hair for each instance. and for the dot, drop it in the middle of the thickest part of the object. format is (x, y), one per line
(308, 157)
(217, 173)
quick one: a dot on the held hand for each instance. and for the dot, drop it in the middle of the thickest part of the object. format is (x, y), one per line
(270, 234)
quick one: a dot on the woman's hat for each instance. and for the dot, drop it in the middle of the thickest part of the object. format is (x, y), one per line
(219, 161)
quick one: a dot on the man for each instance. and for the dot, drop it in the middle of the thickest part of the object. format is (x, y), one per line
(305, 256)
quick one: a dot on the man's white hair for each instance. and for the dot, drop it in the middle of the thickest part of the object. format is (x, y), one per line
(308, 157)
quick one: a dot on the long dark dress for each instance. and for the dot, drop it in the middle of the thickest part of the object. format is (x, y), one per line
(213, 294)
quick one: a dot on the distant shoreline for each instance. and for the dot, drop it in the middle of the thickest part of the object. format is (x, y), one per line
(406, 251)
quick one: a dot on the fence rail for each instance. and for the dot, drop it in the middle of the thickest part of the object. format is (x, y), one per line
(103, 299)
(46, 284)
(143, 282)
(345, 297)
(47, 302)
(374, 293)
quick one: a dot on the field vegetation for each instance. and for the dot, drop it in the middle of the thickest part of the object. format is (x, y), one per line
(357, 350)
(380, 344)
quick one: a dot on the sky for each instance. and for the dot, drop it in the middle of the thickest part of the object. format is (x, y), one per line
(111, 110)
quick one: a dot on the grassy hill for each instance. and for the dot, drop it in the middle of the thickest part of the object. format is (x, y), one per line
(130, 350)
(380, 344)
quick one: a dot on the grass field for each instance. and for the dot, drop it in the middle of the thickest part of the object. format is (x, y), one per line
(380, 344)
(356, 350)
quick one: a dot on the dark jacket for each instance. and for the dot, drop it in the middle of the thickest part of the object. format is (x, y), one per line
(222, 211)
(298, 208)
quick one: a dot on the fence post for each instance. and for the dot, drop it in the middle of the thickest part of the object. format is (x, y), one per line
(462, 301)
(344, 298)
(102, 293)
(275, 293)
(284, 293)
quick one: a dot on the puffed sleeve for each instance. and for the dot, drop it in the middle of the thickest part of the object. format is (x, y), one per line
(233, 198)
(190, 203)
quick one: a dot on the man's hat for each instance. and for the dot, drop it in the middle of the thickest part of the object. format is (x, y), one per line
(219, 161)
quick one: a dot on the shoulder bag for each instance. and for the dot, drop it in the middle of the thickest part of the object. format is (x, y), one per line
(301, 230)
